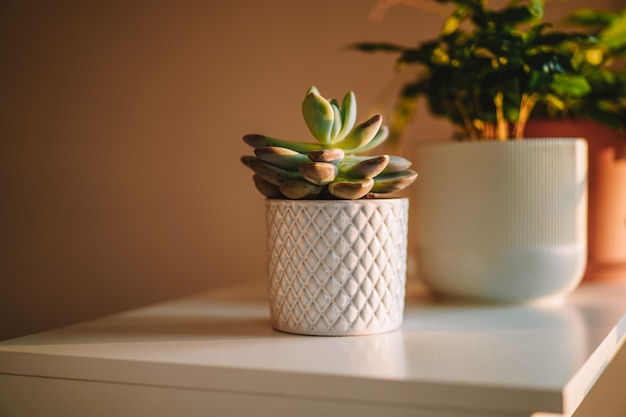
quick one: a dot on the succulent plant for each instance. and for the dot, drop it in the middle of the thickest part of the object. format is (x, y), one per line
(329, 168)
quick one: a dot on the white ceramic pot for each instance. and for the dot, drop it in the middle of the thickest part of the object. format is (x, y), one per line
(501, 221)
(337, 267)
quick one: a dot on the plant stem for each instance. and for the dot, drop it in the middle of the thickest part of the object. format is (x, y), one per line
(469, 126)
(526, 107)
(502, 129)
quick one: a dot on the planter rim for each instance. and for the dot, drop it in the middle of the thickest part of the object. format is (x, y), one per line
(570, 120)
(338, 201)
(538, 141)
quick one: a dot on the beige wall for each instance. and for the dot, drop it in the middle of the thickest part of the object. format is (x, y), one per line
(121, 125)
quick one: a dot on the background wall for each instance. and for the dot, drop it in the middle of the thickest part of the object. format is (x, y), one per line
(121, 126)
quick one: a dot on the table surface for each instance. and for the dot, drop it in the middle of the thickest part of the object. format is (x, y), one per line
(515, 359)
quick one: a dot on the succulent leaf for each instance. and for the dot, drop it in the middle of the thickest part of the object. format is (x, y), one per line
(319, 173)
(396, 163)
(351, 190)
(319, 117)
(337, 120)
(365, 168)
(389, 183)
(267, 189)
(361, 135)
(259, 141)
(300, 189)
(331, 155)
(379, 138)
(348, 112)
(270, 173)
(281, 157)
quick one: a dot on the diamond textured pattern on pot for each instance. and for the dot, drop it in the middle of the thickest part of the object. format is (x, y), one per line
(337, 267)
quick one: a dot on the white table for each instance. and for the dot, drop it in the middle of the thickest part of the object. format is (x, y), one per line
(215, 354)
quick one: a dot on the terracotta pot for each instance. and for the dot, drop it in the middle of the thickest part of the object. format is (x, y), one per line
(606, 190)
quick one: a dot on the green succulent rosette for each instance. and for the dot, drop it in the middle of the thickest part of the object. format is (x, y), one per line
(331, 167)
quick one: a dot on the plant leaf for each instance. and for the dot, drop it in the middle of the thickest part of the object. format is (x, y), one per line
(319, 117)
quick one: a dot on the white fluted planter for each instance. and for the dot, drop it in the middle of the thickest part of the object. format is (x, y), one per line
(501, 221)
(337, 267)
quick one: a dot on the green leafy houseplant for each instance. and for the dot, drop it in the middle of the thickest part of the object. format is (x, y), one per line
(488, 69)
(331, 167)
(603, 65)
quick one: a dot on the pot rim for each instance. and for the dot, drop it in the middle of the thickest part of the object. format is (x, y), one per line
(376, 200)
(534, 141)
